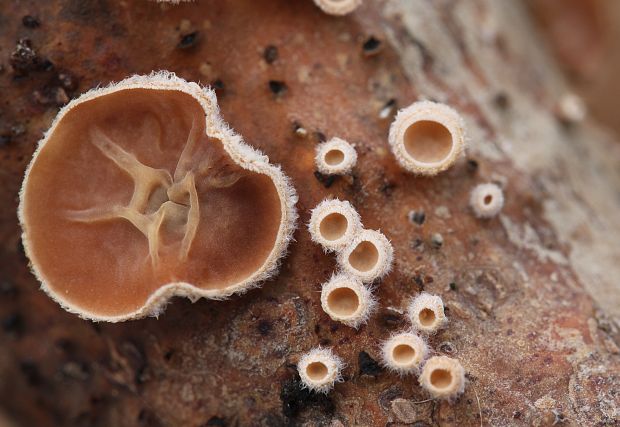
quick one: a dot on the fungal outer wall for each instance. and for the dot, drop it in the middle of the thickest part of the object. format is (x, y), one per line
(427, 137)
(139, 192)
(338, 7)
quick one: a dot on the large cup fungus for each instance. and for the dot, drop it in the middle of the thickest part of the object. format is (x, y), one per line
(139, 192)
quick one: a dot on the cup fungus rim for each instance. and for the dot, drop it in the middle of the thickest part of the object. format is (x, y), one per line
(410, 339)
(322, 211)
(349, 156)
(338, 7)
(244, 155)
(366, 300)
(421, 111)
(385, 258)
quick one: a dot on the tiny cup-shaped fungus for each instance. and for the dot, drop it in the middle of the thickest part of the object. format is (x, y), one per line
(427, 137)
(404, 353)
(139, 192)
(345, 299)
(369, 256)
(426, 313)
(486, 200)
(443, 377)
(335, 157)
(338, 7)
(320, 369)
(333, 224)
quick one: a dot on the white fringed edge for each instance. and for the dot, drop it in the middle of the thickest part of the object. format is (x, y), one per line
(244, 155)
(333, 364)
(404, 338)
(431, 302)
(327, 207)
(384, 262)
(367, 301)
(433, 112)
(338, 7)
(456, 370)
(478, 205)
(348, 162)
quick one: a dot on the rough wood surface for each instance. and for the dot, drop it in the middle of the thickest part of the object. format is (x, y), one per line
(532, 296)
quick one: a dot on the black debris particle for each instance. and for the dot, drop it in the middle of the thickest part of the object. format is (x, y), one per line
(264, 327)
(277, 87)
(447, 348)
(7, 288)
(31, 373)
(417, 244)
(516, 415)
(5, 139)
(417, 217)
(368, 365)
(31, 22)
(188, 41)
(326, 180)
(13, 324)
(452, 286)
(216, 421)
(295, 398)
(387, 188)
(501, 100)
(218, 86)
(390, 320)
(320, 136)
(388, 109)
(372, 46)
(24, 59)
(419, 281)
(270, 54)
(148, 418)
(472, 165)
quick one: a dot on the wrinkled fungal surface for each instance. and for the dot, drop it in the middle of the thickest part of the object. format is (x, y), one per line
(530, 294)
(133, 197)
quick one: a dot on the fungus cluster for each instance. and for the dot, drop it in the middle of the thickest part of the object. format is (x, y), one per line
(338, 7)
(335, 157)
(427, 137)
(363, 256)
(320, 369)
(486, 200)
(406, 352)
(139, 192)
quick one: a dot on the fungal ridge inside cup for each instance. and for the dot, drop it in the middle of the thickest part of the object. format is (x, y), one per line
(129, 193)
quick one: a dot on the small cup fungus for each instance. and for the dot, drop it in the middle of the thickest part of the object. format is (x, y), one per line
(320, 369)
(369, 256)
(427, 137)
(333, 224)
(404, 353)
(443, 377)
(338, 7)
(426, 313)
(486, 200)
(139, 192)
(345, 299)
(335, 157)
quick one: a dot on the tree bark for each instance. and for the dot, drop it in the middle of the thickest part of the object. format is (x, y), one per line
(532, 295)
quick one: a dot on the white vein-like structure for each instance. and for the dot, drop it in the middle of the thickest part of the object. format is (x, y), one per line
(164, 207)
